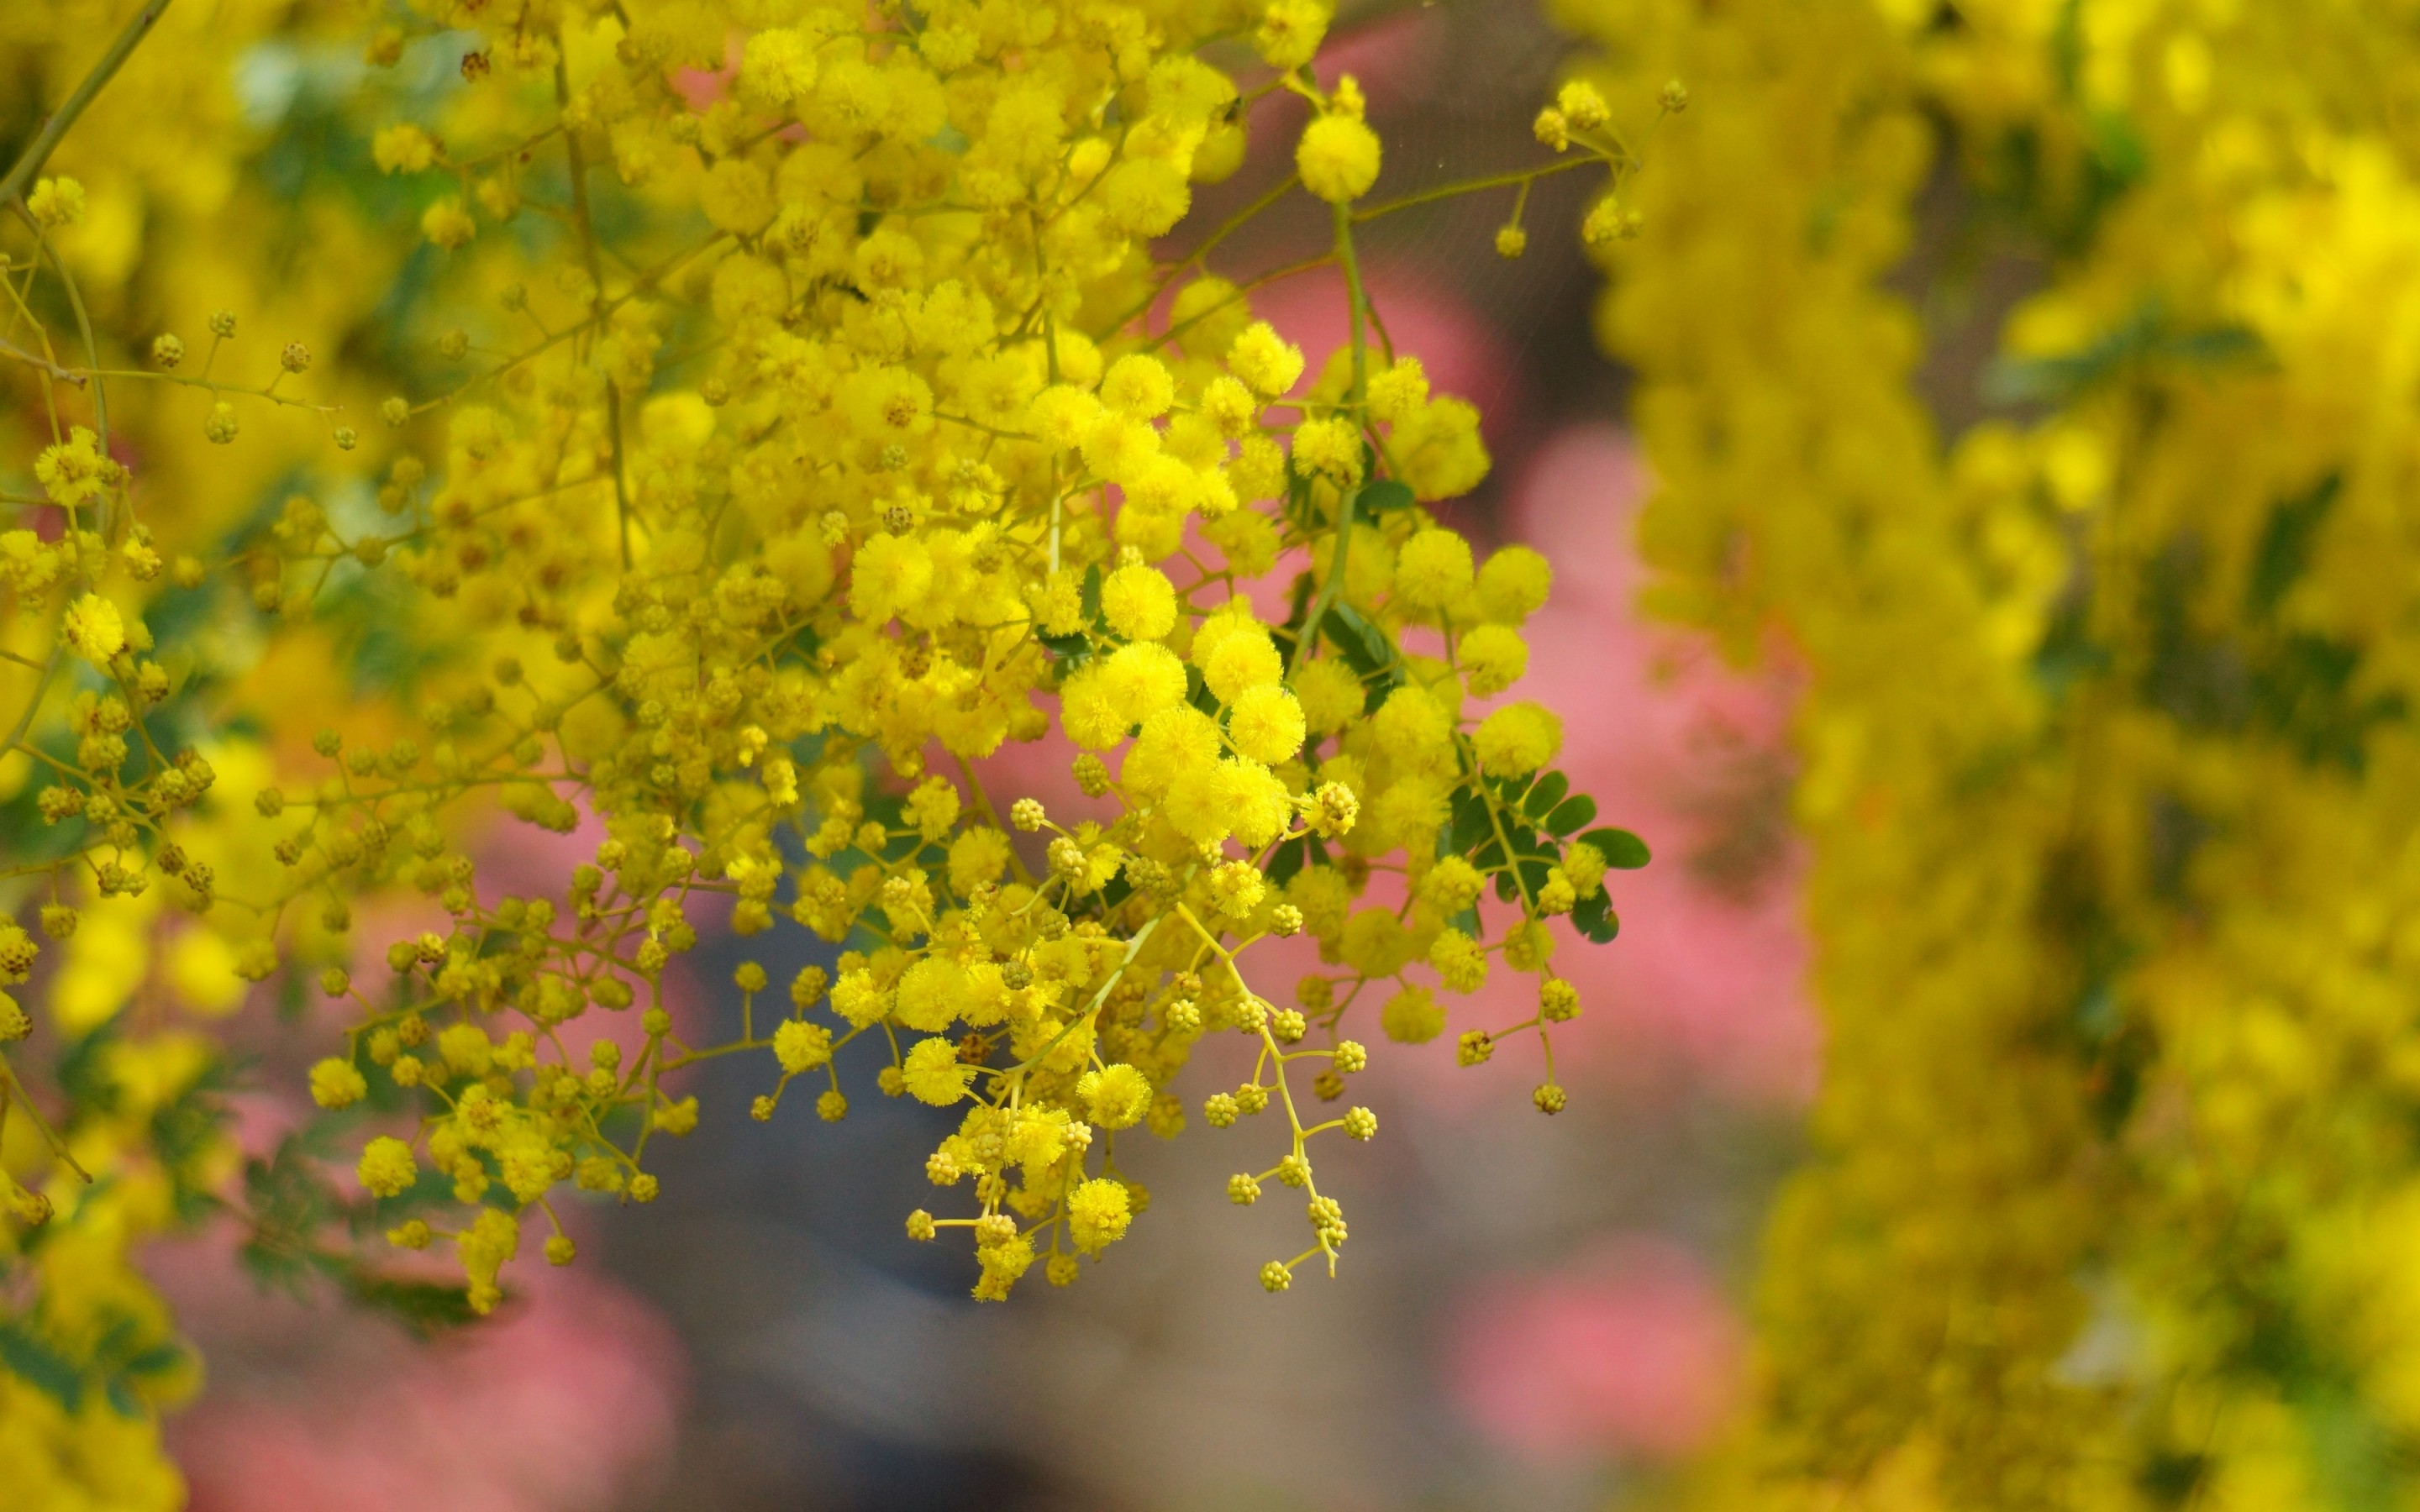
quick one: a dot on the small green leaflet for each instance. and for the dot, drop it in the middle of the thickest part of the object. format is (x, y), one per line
(424, 1308)
(1379, 496)
(1075, 648)
(1594, 917)
(1366, 650)
(33, 1362)
(1622, 850)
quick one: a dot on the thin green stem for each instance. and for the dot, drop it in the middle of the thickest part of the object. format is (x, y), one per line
(1525, 178)
(29, 162)
(597, 287)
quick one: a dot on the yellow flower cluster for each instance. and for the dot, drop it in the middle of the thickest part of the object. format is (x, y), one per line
(927, 482)
(787, 410)
(120, 949)
(2108, 763)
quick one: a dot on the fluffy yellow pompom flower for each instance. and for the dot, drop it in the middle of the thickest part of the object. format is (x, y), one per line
(1233, 654)
(387, 1167)
(493, 1237)
(1338, 158)
(1330, 693)
(1267, 724)
(402, 148)
(858, 998)
(1237, 888)
(1063, 415)
(1396, 393)
(17, 953)
(73, 472)
(94, 629)
(738, 198)
(1411, 726)
(1517, 739)
(1451, 885)
(1139, 602)
(891, 573)
(56, 203)
(1412, 1016)
(336, 1083)
(447, 225)
(1513, 585)
(800, 1046)
(1138, 385)
(977, 856)
(1290, 32)
(776, 67)
(1145, 196)
(934, 1074)
(1460, 963)
(1493, 658)
(930, 994)
(1267, 362)
(1099, 1212)
(1117, 1096)
(1143, 679)
(1434, 568)
(1092, 719)
(1329, 447)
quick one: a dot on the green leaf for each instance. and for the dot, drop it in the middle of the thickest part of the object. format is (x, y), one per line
(1571, 815)
(424, 1307)
(1470, 822)
(1298, 495)
(1362, 644)
(1366, 650)
(1288, 861)
(2286, 545)
(1072, 651)
(1548, 793)
(2147, 336)
(157, 1360)
(1091, 595)
(1594, 917)
(1621, 849)
(33, 1362)
(1379, 496)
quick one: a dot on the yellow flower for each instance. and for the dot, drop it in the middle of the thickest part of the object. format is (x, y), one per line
(1338, 157)
(1433, 570)
(336, 1084)
(933, 1072)
(1098, 1214)
(94, 629)
(387, 1168)
(56, 203)
(403, 149)
(447, 225)
(800, 1046)
(1116, 1096)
